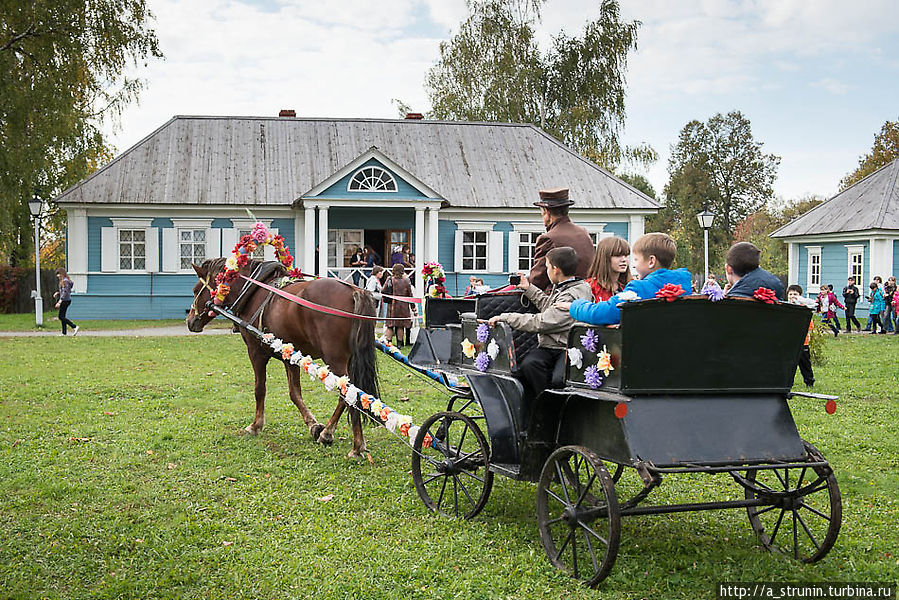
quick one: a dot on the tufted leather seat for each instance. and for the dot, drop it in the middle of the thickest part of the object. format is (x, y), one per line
(493, 304)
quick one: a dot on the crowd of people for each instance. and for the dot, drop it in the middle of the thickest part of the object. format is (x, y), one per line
(883, 309)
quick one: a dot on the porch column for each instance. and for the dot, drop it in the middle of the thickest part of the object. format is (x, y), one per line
(881, 253)
(309, 240)
(635, 229)
(433, 247)
(418, 280)
(76, 247)
(793, 262)
(323, 241)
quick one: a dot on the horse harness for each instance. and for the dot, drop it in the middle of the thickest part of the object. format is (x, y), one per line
(263, 272)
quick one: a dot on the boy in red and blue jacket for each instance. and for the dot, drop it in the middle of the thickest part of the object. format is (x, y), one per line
(653, 256)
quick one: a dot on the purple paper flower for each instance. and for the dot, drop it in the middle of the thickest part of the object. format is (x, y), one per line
(713, 291)
(589, 340)
(483, 332)
(593, 377)
(482, 361)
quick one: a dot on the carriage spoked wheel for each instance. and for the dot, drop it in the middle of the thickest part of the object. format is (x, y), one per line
(452, 476)
(804, 518)
(578, 515)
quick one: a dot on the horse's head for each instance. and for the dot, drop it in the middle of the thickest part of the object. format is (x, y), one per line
(198, 316)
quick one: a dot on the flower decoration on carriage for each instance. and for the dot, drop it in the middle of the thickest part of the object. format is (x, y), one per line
(589, 340)
(468, 349)
(670, 292)
(713, 291)
(604, 361)
(482, 362)
(483, 332)
(592, 377)
(492, 349)
(286, 351)
(575, 357)
(765, 295)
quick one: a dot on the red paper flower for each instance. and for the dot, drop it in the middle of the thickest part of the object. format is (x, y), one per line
(670, 292)
(243, 260)
(295, 273)
(765, 295)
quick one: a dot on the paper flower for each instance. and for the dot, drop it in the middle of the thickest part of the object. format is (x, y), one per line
(305, 362)
(330, 381)
(412, 432)
(351, 395)
(343, 383)
(468, 348)
(231, 263)
(483, 332)
(604, 362)
(628, 296)
(426, 443)
(365, 400)
(286, 351)
(385, 413)
(277, 344)
(492, 349)
(589, 340)
(260, 232)
(765, 295)
(713, 291)
(243, 260)
(592, 377)
(323, 373)
(670, 292)
(404, 428)
(575, 357)
(482, 361)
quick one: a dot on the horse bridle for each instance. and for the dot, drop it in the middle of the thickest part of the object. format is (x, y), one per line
(206, 286)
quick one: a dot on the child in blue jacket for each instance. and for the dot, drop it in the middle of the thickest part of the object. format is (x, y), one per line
(653, 255)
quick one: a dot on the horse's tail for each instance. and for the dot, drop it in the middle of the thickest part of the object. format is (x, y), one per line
(363, 366)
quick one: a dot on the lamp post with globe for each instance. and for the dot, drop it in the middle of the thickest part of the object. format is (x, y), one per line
(34, 207)
(706, 218)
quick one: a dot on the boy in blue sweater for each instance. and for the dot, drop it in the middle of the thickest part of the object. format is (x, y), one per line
(653, 256)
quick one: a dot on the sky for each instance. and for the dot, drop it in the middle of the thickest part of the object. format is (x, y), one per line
(816, 78)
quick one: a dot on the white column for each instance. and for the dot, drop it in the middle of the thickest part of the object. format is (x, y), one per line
(323, 241)
(793, 262)
(309, 239)
(433, 239)
(881, 251)
(299, 248)
(417, 279)
(76, 248)
(636, 228)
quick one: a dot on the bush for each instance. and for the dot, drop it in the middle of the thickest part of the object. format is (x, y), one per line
(10, 280)
(816, 341)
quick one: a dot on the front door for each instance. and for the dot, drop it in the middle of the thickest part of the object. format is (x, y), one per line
(401, 238)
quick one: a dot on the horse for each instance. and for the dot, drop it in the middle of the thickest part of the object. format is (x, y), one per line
(345, 344)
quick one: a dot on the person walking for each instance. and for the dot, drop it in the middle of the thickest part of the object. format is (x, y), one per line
(399, 313)
(827, 306)
(877, 307)
(64, 299)
(850, 299)
(879, 283)
(889, 314)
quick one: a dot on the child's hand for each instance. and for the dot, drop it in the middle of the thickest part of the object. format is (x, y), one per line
(524, 283)
(563, 305)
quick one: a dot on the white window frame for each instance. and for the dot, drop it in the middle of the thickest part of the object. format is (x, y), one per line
(171, 243)
(852, 251)
(495, 247)
(515, 244)
(391, 180)
(110, 245)
(813, 252)
(133, 244)
(246, 225)
(337, 247)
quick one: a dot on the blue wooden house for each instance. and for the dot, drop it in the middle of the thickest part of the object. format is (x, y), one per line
(456, 192)
(855, 233)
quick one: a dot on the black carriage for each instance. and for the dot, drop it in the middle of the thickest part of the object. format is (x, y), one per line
(689, 386)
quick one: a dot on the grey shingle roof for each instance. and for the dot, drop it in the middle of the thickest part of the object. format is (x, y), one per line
(872, 203)
(261, 160)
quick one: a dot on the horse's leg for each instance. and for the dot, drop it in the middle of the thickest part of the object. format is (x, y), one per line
(358, 440)
(296, 396)
(327, 435)
(259, 360)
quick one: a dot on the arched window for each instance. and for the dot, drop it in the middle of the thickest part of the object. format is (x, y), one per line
(372, 179)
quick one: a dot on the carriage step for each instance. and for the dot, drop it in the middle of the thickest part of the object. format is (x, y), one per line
(505, 470)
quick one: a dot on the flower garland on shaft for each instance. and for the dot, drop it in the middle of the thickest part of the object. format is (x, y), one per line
(240, 257)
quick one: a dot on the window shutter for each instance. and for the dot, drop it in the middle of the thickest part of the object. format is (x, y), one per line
(171, 250)
(109, 249)
(229, 240)
(457, 253)
(268, 250)
(495, 251)
(213, 242)
(514, 236)
(152, 249)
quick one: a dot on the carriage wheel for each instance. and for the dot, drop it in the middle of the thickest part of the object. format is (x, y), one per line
(806, 510)
(578, 515)
(453, 475)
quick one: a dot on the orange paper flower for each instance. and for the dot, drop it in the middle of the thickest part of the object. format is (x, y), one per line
(365, 399)
(404, 428)
(426, 443)
(385, 412)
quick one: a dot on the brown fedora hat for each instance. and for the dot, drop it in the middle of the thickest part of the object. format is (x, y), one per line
(554, 197)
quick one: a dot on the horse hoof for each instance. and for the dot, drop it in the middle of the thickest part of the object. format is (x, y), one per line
(326, 438)
(316, 430)
(251, 430)
(354, 454)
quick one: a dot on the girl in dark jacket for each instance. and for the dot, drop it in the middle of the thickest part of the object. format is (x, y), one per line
(64, 299)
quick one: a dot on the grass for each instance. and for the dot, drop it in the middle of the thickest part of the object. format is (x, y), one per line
(25, 322)
(125, 474)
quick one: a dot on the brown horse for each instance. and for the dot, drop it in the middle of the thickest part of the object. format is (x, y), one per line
(346, 345)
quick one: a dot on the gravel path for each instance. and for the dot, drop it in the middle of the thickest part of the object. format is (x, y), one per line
(175, 330)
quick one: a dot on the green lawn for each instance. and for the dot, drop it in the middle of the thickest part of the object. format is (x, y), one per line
(25, 322)
(125, 474)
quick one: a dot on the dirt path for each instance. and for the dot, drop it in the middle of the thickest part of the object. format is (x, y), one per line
(175, 330)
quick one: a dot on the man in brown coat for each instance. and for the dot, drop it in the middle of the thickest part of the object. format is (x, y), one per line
(560, 231)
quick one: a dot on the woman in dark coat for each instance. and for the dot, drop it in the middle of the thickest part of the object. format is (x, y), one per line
(399, 314)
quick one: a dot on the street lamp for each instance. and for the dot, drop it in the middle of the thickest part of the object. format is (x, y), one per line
(706, 218)
(34, 207)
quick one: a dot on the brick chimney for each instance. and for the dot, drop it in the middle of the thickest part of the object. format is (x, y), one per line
(414, 116)
(287, 112)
